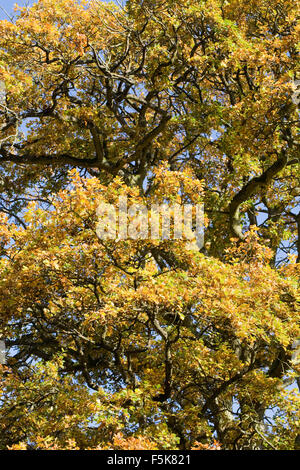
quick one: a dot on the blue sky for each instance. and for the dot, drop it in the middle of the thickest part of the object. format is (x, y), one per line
(8, 5)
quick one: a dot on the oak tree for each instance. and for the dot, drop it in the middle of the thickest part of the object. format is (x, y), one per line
(147, 344)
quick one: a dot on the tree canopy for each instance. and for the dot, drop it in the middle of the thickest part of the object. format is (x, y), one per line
(147, 344)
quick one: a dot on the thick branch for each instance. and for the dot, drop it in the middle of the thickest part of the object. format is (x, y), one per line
(56, 160)
(249, 189)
